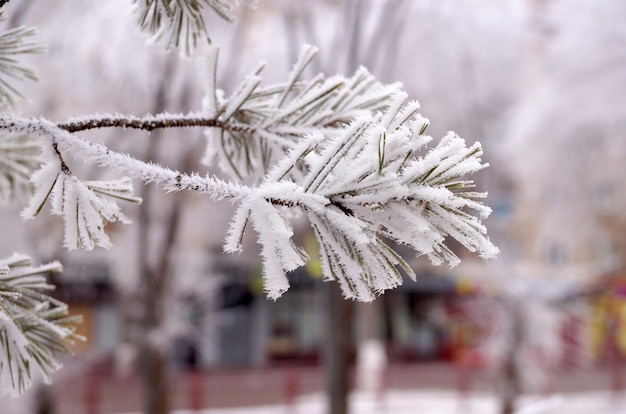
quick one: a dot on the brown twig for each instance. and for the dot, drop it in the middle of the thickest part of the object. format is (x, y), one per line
(150, 123)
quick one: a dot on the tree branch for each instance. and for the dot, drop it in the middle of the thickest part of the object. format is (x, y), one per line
(64, 142)
(150, 123)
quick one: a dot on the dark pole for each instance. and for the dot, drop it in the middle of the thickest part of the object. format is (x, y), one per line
(338, 341)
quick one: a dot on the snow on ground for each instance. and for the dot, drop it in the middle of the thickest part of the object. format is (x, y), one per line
(445, 402)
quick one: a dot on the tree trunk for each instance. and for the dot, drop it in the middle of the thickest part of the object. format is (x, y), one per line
(154, 273)
(44, 401)
(156, 284)
(154, 380)
(338, 339)
(511, 381)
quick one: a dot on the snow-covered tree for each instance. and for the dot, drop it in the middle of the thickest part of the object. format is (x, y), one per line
(349, 154)
(575, 176)
(562, 150)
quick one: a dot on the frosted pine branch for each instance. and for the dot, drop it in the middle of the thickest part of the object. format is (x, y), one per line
(180, 23)
(33, 325)
(13, 43)
(350, 154)
(86, 207)
(19, 157)
(280, 114)
(58, 139)
(371, 182)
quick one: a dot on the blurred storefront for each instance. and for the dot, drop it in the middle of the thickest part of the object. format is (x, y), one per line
(422, 321)
(432, 319)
